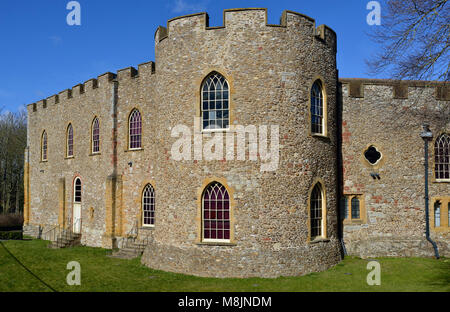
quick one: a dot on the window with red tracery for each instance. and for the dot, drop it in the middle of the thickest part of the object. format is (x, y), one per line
(216, 213)
(135, 130)
(442, 157)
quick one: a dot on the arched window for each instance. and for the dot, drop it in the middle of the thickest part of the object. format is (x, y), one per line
(148, 206)
(355, 208)
(215, 102)
(44, 146)
(442, 157)
(77, 191)
(95, 136)
(316, 211)
(69, 147)
(216, 213)
(135, 130)
(317, 109)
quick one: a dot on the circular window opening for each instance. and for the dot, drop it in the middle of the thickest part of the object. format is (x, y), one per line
(372, 155)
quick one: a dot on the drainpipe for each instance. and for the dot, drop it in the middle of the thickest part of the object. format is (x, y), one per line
(426, 135)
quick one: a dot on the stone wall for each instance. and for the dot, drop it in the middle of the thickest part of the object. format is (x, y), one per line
(51, 181)
(389, 115)
(270, 70)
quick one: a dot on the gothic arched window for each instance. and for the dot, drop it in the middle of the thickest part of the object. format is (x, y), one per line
(95, 136)
(148, 206)
(317, 109)
(442, 157)
(316, 212)
(215, 104)
(44, 146)
(135, 130)
(69, 136)
(216, 213)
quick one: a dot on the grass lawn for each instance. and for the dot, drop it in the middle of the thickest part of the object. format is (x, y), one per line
(101, 273)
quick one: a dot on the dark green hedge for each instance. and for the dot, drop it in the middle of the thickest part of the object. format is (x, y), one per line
(16, 235)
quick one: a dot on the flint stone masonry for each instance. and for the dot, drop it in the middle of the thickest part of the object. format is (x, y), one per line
(270, 70)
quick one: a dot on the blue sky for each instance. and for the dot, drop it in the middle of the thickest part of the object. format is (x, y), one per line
(40, 55)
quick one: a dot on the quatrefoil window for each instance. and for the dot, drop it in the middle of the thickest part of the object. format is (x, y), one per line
(372, 155)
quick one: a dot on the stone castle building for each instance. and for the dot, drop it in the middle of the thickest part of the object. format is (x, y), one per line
(349, 164)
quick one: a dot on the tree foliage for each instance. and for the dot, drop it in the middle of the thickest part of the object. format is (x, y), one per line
(414, 37)
(13, 137)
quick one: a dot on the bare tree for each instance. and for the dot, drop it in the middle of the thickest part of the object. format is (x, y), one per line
(414, 37)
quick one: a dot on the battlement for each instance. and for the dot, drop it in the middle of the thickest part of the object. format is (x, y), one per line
(249, 18)
(400, 88)
(101, 81)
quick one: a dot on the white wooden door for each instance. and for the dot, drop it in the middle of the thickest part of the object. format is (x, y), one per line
(76, 217)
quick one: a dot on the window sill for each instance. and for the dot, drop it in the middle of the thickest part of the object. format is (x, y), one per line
(440, 229)
(441, 181)
(147, 227)
(318, 135)
(218, 243)
(70, 157)
(353, 221)
(134, 150)
(215, 130)
(43, 161)
(319, 240)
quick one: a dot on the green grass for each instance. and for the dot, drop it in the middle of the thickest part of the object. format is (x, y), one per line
(101, 273)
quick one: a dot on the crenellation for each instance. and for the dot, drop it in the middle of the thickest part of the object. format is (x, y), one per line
(126, 73)
(146, 69)
(187, 24)
(160, 34)
(91, 84)
(78, 89)
(443, 92)
(66, 94)
(400, 88)
(42, 103)
(54, 99)
(105, 79)
(249, 19)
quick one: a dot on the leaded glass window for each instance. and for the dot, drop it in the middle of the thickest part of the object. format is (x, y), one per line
(44, 146)
(215, 103)
(216, 212)
(317, 108)
(355, 208)
(442, 157)
(70, 141)
(135, 130)
(95, 136)
(316, 206)
(148, 205)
